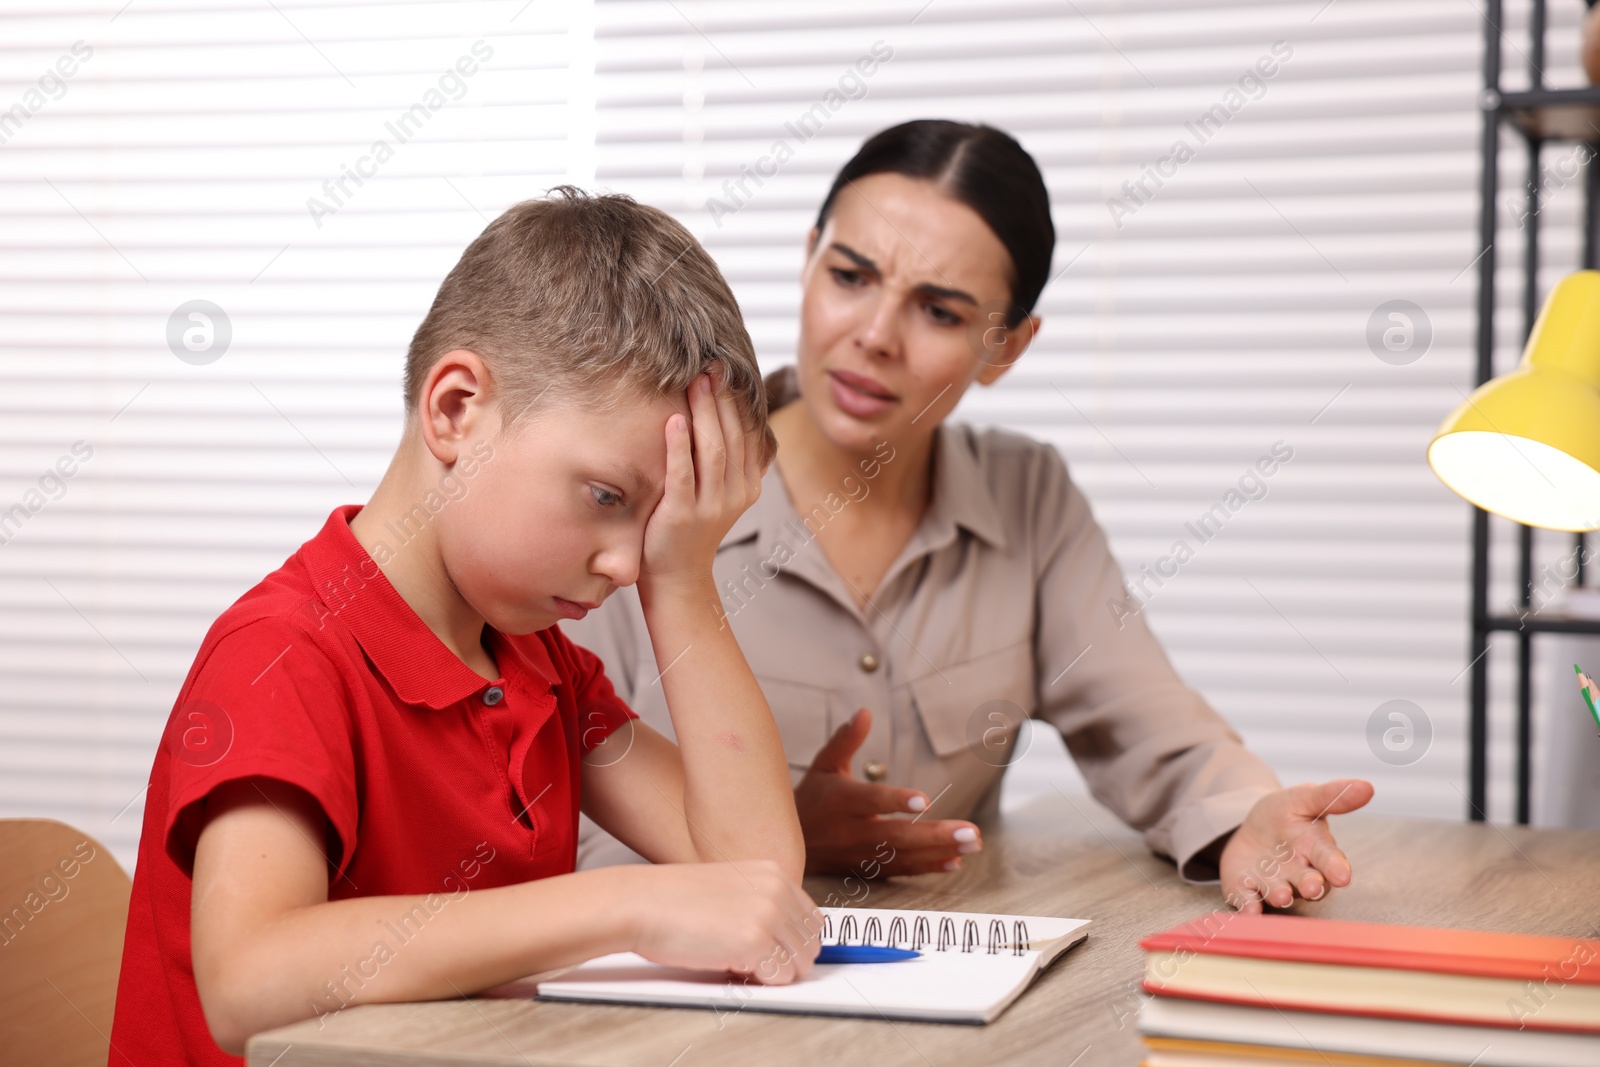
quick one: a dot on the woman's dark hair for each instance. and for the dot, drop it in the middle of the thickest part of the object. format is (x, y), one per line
(985, 169)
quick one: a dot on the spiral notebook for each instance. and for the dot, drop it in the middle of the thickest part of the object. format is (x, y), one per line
(972, 967)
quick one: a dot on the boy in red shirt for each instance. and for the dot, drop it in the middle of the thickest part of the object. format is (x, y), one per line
(369, 786)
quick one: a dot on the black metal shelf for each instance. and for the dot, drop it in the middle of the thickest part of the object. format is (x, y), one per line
(1550, 114)
(1540, 115)
(1538, 625)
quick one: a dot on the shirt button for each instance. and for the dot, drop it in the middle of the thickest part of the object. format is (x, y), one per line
(493, 695)
(869, 663)
(875, 770)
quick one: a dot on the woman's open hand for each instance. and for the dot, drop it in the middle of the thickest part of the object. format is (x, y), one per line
(1284, 848)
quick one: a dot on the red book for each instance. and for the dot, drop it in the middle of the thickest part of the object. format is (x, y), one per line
(1416, 972)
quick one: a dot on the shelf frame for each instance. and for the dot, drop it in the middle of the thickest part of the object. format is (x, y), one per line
(1540, 116)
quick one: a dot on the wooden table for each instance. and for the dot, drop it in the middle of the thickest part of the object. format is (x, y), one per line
(1059, 856)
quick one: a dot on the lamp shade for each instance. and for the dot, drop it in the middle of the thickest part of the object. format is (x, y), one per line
(1526, 445)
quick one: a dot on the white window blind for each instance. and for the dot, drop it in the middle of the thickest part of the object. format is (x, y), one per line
(1224, 237)
(310, 169)
(170, 158)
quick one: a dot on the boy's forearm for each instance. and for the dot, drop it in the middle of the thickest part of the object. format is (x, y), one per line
(325, 957)
(737, 798)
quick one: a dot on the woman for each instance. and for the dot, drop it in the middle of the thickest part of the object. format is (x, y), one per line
(907, 590)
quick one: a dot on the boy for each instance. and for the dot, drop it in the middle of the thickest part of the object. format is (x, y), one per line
(369, 786)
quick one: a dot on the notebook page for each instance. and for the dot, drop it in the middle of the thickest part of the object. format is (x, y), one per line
(951, 985)
(954, 986)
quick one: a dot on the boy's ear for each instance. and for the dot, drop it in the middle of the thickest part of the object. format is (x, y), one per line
(456, 404)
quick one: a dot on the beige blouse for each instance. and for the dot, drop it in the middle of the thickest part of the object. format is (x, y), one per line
(1005, 603)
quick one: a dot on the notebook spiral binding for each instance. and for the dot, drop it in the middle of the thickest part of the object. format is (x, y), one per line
(920, 936)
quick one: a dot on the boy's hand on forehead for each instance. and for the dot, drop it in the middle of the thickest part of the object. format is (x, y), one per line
(713, 475)
(725, 782)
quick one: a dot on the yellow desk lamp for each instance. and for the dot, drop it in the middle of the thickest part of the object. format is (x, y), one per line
(1526, 445)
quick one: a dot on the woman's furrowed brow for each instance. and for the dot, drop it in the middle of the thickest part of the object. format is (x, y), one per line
(925, 288)
(855, 257)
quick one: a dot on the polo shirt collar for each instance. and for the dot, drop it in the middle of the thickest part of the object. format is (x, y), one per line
(410, 656)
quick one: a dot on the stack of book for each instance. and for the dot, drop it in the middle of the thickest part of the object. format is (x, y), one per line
(1259, 990)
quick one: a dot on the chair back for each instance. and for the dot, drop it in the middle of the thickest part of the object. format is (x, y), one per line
(63, 910)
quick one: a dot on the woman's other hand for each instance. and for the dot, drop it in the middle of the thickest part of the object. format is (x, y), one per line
(1284, 848)
(846, 825)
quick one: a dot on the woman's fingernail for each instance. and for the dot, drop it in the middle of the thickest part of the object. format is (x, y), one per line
(1322, 891)
(917, 804)
(969, 846)
(952, 865)
(966, 833)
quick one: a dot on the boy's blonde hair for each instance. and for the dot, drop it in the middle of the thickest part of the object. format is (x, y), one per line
(589, 299)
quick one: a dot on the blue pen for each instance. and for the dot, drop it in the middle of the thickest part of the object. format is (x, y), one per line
(864, 954)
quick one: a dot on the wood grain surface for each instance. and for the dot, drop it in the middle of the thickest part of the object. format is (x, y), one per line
(1059, 856)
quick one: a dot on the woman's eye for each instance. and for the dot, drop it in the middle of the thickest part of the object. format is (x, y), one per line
(846, 277)
(604, 497)
(942, 316)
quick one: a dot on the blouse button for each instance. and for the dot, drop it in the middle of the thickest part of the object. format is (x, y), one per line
(493, 695)
(875, 770)
(869, 663)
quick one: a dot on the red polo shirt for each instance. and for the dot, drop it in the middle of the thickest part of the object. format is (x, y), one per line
(433, 780)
